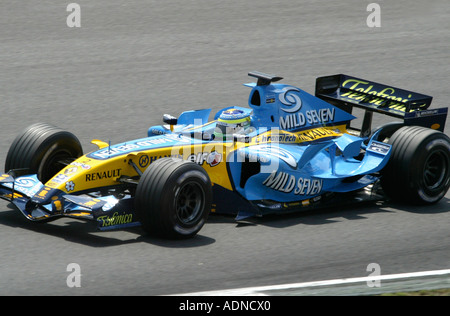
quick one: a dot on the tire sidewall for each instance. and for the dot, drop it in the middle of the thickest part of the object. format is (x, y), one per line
(431, 146)
(169, 200)
(34, 148)
(155, 198)
(403, 178)
(61, 144)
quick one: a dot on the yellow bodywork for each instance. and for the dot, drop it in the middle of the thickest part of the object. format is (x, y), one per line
(87, 173)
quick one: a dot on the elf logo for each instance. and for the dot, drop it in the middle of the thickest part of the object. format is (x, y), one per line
(212, 159)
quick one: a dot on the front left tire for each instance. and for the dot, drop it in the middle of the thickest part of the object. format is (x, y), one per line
(173, 198)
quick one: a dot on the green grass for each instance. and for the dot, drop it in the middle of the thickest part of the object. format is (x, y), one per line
(440, 292)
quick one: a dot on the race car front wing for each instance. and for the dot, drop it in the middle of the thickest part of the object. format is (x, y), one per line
(27, 194)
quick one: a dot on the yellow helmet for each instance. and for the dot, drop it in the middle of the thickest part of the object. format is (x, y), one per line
(232, 122)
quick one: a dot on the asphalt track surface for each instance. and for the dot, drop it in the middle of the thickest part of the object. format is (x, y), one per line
(132, 61)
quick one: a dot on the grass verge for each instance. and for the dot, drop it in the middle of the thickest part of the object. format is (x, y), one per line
(440, 292)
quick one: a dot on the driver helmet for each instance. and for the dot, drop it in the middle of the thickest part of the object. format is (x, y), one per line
(231, 122)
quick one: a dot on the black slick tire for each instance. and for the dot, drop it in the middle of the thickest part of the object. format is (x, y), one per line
(418, 171)
(173, 198)
(40, 148)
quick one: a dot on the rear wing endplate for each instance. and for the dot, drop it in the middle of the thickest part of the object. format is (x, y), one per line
(347, 92)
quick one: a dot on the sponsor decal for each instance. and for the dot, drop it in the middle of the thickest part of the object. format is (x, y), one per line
(287, 183)
(26, 185)
(71, 170)
(43, 193)
(94, 176)
(80, 164)
(135, 146)
(111, 151)
(291, 100)
(298, 137)
(277, 138)
(378, 147)
(312, 117)
(426, 113)
(295, 119)
(60, 178)
(25, 182)
(317, 133)
(57, 205)
(144, 161)
(156, 131)
(212, 159)
(115, 219)
(364, 91)
(154, 158)
(270, 99)
(153, 141)
(70, 186)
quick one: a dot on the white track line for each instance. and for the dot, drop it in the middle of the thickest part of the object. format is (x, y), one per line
(256, 290)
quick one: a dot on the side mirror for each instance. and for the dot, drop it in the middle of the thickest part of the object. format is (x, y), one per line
(169, 119)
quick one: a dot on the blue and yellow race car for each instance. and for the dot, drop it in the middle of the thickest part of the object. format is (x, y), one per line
(288, 151)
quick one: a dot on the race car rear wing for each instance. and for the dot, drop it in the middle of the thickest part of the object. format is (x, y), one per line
(347, 92)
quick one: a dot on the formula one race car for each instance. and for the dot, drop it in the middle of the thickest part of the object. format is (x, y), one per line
(289, 151)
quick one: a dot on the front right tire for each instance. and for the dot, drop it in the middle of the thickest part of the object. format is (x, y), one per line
(41, 148)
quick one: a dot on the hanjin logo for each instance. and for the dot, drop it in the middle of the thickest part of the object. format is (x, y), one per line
(143, 161)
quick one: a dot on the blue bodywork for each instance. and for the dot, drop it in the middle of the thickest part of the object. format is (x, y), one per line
(297, 154)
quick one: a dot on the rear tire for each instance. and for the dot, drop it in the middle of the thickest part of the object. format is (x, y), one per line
(418, 170)
(173, 198)
(40, 148)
